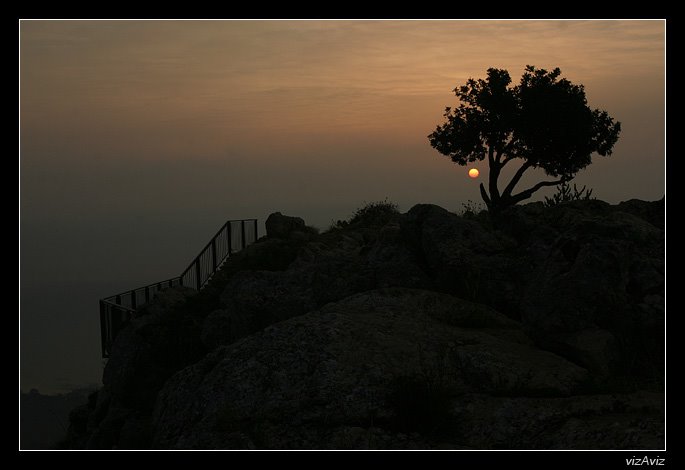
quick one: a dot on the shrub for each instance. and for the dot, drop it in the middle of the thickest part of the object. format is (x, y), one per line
(470, 209)
(565, 194)
(374, 214)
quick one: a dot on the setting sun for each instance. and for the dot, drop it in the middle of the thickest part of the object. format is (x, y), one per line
(473, 172)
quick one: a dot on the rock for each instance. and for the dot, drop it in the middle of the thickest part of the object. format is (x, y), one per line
(281, 226)
(108, 431)
(595, 349)
(158, 341)
(392, 261)
(255, 299)
(612, 422)
(323, 272)
(290, 384)
(269, 254)
(582, 285)
(78, 422)
(420, 331)
(463, 258)
(597, 276)
(449, 246)
(135, 433)
(444, 308)
(517, 370)
(144, 352)
(131, 372)
(651, 211)
(222, 327)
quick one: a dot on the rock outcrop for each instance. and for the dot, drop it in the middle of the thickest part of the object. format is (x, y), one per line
(542, 328)
(282, 226)
(301, 382)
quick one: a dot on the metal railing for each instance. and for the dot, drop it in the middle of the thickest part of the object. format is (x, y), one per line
(117, 310)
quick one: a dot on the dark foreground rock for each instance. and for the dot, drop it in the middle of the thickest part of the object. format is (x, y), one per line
(540, 329)
(386, 364)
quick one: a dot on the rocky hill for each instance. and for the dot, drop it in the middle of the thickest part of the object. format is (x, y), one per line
(541, 329)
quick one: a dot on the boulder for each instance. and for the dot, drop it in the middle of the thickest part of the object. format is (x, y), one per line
(143, 352)
(392, 260)
(651, 211)
(281, 226)
(253, 300)
(602, 281)
(223, 327)
(158, 341)
(606, 421)
(595, 349)
(300, 382)
(464, 258)
(324, 271)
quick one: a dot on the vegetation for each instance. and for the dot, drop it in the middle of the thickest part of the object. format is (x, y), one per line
(544, 121)
(565, 194)
(372, 214)
(470, 209)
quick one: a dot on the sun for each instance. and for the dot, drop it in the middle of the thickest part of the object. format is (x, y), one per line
(473, 172)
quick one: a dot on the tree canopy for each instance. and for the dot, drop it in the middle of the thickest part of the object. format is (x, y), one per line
(544, 121)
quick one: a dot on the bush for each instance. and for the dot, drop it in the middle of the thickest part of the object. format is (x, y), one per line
(470, 209)
(565, 194)
(372, 214)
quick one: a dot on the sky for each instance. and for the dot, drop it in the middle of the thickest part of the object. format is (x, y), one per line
(139, 139)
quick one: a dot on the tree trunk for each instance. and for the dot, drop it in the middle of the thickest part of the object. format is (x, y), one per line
(495, 201)
(493, 176)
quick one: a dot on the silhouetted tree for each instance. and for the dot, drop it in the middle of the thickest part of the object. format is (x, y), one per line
(544, 121)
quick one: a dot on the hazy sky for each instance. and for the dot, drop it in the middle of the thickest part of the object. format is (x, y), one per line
(139, 139)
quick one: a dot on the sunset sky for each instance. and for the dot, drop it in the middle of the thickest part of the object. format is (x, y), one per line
(139, 139)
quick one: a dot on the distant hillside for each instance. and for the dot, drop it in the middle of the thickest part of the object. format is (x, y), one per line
(44, 418)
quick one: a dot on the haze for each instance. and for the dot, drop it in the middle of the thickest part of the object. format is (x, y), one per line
(139, 139)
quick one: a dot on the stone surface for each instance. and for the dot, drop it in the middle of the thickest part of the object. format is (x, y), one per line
(539, 328)
(601, 273)
(281, 226)
(293, 384)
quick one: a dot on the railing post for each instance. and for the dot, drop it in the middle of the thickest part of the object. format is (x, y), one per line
(213, 254)
(242, 228)
(134, 305)
(256, 237)
(117, 300)
(198, 281)
(229, 237)
(147, 294)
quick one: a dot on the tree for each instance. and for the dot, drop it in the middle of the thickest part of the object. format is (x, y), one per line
(544, 121)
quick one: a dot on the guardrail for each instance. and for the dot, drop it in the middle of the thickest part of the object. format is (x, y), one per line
(117, 310)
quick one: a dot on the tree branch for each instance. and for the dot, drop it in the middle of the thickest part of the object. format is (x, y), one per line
(484, 195)
(517, 177)
(493, 176)
(529, 192)
(506, 160)
(491, 159)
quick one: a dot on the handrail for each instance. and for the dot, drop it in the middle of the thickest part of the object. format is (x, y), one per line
(117, 310)
(167, 281)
